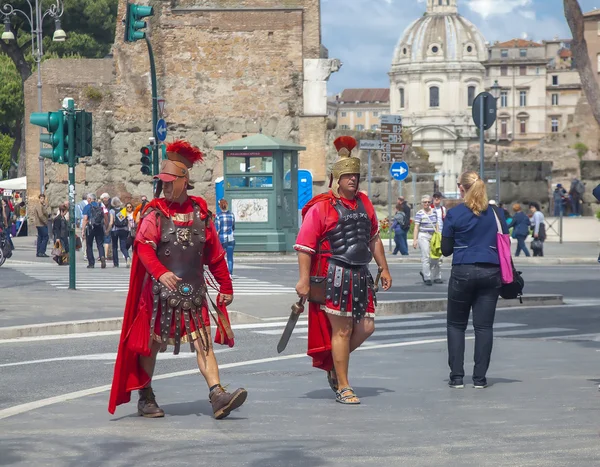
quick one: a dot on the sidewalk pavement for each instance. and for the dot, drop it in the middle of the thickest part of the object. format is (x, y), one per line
(555, 253)
(541, 410)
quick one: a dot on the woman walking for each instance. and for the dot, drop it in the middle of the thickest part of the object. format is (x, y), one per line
(539, 229)
(520, 226)
(119, 225)
(470, 236)
(60, 231)
(225, 225)
(425, 225)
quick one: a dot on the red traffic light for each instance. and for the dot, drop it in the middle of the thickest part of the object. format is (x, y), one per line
(145, 151)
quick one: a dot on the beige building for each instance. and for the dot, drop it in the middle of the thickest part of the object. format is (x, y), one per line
(540, 88)
(592, 37)
(359, 109)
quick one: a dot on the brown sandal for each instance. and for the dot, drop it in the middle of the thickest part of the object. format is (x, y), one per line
(347, 396)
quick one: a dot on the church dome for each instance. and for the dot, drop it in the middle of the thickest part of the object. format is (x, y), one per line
(441, 35)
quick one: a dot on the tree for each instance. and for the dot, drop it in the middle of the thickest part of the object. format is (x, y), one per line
(90, 27)
(579, 48)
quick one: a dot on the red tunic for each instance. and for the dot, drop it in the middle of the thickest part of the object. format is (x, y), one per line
(319, 218)
(135, 334)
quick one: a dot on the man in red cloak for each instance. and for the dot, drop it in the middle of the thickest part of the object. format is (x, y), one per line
(167, 300)
(338, 239)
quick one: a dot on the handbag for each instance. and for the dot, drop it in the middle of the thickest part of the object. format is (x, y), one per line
(515, 288)
(536, 244)
(503, 249)
(435, 243)
(316, 293)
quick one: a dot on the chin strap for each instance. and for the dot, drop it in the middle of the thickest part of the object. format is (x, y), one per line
(159, 187)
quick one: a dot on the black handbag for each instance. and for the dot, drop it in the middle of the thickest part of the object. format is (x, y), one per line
(318, 286)
(515, 288)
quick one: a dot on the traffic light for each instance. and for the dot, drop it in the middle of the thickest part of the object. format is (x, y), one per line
(83, 134)
(133, 22)
(56, 137)
(146, 160)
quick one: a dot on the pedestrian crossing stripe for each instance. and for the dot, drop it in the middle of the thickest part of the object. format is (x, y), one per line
(117, 280)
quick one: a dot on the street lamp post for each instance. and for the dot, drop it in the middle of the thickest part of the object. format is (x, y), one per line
(495, 91)
(36, 20)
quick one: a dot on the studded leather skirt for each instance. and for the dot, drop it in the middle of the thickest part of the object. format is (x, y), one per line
(348, 290)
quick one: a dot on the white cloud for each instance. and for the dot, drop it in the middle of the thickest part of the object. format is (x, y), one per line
(487, 8)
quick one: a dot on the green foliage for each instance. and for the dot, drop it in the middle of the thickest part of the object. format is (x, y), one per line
(6, 143)
(598, 215)
(93, 94)
(581, 148)
(521, 150)
(11, 95)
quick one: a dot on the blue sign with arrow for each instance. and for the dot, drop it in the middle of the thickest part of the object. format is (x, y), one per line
(161, 130)
(399, 170)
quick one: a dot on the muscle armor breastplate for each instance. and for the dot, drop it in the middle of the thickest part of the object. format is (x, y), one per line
(181, 251)
(349, 240)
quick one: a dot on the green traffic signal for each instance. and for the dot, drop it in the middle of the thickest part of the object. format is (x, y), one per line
(83, 134)
(146, 160)
(56, 137)
(133, 25)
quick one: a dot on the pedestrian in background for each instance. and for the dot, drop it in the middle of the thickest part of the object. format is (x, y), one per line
(398, 227)
(40, 220)
(225, 225)
(539, 229)
(105, 203)
(469, 236)
(139, 209)
(520, 226)
(119, 231)
(440, 210)
(559, 197)
(60, 231)
(93, 230)
(425, 225)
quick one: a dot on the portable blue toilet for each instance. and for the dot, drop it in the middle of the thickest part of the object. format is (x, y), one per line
(305, 187)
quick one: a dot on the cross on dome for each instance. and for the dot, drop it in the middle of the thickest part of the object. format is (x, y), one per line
(442, 7)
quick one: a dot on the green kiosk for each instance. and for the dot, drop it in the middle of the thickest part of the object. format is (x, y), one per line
(261, 187)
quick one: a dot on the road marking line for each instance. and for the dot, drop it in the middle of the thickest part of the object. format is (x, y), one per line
(29, 406)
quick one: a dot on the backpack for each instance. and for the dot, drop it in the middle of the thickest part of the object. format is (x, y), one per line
(399, 221)
(120, 219)
(96, 215)
(580, 188)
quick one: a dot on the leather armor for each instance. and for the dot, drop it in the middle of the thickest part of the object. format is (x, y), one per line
(349, 239)
(181, 251)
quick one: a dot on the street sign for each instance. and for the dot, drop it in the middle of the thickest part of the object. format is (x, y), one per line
(393, 148)
(391, 119)
(161, 130)
(488, 102)
(161, 107)
(394, 138)
(370, 144)
(391, 128)
(399, 170)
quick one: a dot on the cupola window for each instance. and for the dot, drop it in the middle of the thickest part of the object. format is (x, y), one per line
(434, 96)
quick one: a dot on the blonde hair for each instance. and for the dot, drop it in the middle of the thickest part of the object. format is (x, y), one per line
(475, 194)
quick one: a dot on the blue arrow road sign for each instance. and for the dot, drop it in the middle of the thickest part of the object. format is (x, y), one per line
(399, 170)
(161, 130)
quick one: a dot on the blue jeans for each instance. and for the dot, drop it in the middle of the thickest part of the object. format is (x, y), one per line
(42, 240)
(521, 245)
(558, 208)
(229, 247)
(401, 242)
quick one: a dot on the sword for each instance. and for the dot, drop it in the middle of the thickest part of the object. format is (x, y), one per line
(376, 288)
(297, 309)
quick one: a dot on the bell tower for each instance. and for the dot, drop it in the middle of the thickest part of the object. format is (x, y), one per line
(442, 7)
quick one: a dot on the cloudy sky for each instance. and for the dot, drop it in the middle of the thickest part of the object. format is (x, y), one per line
(364, 33)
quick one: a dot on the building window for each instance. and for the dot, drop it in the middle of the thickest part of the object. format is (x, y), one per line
(359, 114)
(504, 53)
(401, 98)
(375, 114)
(504, 99)
(503, 70)
(523, 98)
(470, 95)
(554, 99)
(344, 114)
(555, 125)
(344, 127)
(523, 126)
(487, 72)
(537, 70)
(504, 128)
(359, 127)
(523, 70)
(554, 80)
(434, 96)
(523, 53)
(374, 127)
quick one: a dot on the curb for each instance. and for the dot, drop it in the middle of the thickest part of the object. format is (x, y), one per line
(384, 308)
(399, 307)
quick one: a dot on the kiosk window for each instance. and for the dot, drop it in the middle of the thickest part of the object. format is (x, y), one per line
(259, 170)
(287, 170)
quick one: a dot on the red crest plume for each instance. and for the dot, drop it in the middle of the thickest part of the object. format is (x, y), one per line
(347, 142)
(190, 153)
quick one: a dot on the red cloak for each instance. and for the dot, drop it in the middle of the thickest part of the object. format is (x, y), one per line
(135, 331)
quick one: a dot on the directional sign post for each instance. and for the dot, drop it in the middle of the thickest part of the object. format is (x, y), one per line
(484, 116)
(399, 170)
(391, 138)
(161, 130)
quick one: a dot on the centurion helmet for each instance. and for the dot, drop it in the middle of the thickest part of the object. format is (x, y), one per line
(345, 163)
(181, 156)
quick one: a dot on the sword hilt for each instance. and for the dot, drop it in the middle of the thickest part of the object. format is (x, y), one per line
(377, 279)
(298, 308)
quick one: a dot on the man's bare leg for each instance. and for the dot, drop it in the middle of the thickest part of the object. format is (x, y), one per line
(341, 331)
(361, 332)
(207, 363)
(148, 363)
(147, 406)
